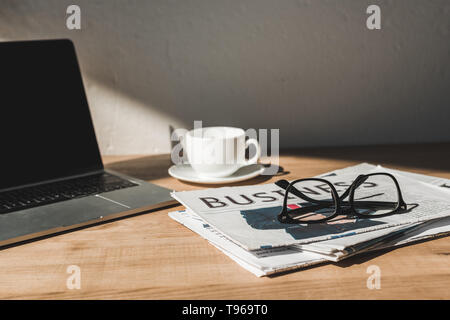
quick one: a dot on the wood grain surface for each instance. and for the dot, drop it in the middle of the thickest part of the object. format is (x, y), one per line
(150, 256)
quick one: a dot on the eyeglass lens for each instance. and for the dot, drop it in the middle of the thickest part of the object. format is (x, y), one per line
(308, 203)
(377, 195)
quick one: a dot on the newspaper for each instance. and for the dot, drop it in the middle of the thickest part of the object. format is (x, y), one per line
(247, 215)
(267, 261)
(260, 262)
(340, 248)
(433, 229)
(366, 167)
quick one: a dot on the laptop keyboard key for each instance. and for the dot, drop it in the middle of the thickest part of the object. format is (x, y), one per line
(60, 191)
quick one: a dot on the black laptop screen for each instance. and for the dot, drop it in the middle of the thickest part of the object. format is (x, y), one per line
(46, 130)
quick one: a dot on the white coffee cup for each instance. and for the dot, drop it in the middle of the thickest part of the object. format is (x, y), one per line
(218, 151)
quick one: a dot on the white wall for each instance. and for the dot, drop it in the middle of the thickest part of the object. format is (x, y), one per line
(310, 68)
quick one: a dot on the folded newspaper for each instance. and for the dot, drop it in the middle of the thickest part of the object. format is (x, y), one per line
(239, 222)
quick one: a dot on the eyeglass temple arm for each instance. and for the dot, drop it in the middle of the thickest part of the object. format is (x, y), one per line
(358, 204)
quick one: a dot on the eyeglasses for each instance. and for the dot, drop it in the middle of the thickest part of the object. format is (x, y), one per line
(372, 195)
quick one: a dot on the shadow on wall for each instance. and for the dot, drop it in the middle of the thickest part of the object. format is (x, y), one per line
(310, 68)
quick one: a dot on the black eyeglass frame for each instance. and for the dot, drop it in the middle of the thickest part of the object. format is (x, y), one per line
(284, 217)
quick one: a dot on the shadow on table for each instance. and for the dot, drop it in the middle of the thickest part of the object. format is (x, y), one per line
(426, 155)
(156, 167)
(144, 168)
(256, 180)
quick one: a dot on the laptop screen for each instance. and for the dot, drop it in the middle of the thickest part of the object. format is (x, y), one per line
(46, 130)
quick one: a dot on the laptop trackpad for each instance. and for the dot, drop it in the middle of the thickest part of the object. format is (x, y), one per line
(123, 205)
(58, 215)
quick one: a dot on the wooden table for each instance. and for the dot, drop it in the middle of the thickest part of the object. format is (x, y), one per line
(151, 256)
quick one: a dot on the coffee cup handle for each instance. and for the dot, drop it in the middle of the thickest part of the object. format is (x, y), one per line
(255, 158)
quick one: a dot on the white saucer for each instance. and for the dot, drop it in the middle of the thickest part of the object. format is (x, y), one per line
(185, 172)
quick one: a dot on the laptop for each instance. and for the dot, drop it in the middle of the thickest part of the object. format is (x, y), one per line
(52, 177)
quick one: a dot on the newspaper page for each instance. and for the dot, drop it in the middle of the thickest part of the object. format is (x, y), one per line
(433, 229)
(247, 215)
(260, 262)
(267, 261)
(366, 167)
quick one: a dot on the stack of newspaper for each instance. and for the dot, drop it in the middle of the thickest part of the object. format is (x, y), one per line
(240, 222)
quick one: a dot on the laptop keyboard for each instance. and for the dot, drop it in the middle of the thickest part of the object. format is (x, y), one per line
(44, 194)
